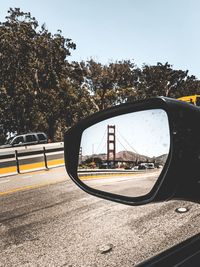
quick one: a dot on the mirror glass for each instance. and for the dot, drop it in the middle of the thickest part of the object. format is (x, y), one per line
(125, 154)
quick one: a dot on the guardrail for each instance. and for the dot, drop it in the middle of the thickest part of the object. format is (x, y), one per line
(14, 161)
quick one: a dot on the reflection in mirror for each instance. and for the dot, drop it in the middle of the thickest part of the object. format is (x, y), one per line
(125, 155)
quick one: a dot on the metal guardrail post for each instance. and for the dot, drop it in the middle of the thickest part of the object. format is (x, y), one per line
(17, 161)
(20, 157)
(45, 158)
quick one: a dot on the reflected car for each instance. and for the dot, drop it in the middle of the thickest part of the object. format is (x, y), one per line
(135, 168)
(127, 168)
(142, 167)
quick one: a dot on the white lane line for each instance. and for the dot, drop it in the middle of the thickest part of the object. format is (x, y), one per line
(28, 176)
(4, 181)
(31, 176)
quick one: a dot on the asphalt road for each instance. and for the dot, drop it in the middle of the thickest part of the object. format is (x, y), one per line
(31, 180)
(59, 225)
(128, 184)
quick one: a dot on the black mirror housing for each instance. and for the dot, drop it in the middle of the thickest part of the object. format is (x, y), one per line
(179, 177)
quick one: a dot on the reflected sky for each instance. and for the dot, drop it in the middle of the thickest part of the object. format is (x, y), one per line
(143, 132)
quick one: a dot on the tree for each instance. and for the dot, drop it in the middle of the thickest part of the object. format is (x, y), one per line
(32, 66)
(162, 80)
(110, 84)
(125, 79)
(41, 91)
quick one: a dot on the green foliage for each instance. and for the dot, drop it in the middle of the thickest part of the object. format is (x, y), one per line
(41, 91)
(163, 80)
(109, 84)
(33, 65)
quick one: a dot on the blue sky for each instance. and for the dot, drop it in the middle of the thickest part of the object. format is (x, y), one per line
(148, 139)
(147, 31)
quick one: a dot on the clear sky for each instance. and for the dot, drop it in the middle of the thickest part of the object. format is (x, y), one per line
(147, 31)
(137, 132)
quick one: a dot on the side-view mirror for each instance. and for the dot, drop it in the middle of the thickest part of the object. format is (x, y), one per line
(137, 153)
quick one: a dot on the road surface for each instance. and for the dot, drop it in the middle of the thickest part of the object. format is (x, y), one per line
(132, 184)
(60, 225)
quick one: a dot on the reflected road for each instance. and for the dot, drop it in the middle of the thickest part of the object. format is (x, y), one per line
(131, 184)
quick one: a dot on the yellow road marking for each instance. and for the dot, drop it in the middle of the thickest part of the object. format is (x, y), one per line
(28, 188)
(104, 176)
(31, 166)
(55, 162)
(8, 169)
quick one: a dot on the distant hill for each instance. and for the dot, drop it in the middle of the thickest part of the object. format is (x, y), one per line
(130, 156)
(161, 159)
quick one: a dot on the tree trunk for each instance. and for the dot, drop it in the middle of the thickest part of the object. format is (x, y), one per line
(51, 129)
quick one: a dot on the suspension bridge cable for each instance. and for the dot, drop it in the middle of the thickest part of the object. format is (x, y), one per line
(103, 148)
(101, 142)
(126, 142)
(122, 144)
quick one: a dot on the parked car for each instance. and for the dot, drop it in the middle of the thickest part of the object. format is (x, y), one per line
(142, 167)
(127, 168)
(179, 176)
(26, 139)
(135, 168)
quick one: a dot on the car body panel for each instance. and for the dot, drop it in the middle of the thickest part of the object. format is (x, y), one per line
(27, 139)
